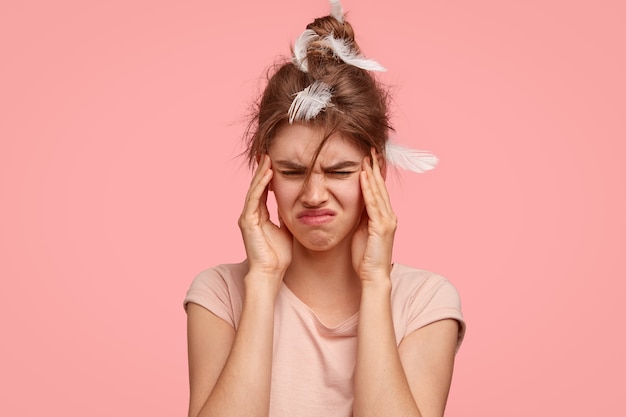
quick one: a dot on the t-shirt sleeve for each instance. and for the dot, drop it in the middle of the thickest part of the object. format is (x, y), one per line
(437, 299)
(214, 290)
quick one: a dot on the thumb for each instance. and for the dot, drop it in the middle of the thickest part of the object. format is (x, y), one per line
(363, 223)
(282, 225)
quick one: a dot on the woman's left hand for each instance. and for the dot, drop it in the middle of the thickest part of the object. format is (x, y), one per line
(372, 243)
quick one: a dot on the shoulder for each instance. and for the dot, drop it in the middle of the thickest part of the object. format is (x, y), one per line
(419, 285)
(219, 289)
(421, 297)
(228, 274)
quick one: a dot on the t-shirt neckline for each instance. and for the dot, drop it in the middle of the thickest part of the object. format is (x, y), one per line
(347, 327)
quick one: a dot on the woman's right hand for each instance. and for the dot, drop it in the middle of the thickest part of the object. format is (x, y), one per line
(268, 246)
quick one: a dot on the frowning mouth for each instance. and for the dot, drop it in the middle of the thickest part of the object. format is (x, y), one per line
(315, 217)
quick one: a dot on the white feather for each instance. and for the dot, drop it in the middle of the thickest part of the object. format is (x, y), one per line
(343, 51)
(300, 47)
(309, 102)
(336, 10)
(409, 159)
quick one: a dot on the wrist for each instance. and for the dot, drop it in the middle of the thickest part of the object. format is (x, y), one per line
(379, 284)
(263, 282)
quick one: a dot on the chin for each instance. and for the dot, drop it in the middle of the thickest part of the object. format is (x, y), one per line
(319, 241)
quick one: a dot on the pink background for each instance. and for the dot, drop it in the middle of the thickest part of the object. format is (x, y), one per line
(119, 181)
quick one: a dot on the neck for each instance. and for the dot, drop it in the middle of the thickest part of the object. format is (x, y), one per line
(334, 265)
(325, 280)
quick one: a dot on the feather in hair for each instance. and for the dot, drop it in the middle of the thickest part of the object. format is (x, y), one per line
(409, 159)
(300, 47)
(343, 51)
(336, 10)
(309, 102)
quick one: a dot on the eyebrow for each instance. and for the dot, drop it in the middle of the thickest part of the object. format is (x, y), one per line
(334, 167)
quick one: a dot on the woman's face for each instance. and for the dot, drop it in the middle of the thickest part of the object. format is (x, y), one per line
(325, 211)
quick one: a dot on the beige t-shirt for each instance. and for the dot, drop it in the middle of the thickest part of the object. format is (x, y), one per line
(313, 364)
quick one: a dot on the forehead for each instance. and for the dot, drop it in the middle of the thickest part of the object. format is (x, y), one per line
(298, 143)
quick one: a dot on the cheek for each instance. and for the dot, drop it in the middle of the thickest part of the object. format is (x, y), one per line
(349, 192)
(284, 191)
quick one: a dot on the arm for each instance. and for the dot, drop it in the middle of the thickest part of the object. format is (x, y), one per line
(380, 385)
(410, 380)
(427, 357)
(230, 372)
(209, 340)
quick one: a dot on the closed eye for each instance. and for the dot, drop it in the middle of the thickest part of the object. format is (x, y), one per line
(292, 173)
(341, 173)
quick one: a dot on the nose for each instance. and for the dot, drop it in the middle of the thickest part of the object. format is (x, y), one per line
(314, 192)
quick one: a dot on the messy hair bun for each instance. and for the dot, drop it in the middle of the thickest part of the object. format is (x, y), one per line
(326, 57)
(320, 57)
(329, 85)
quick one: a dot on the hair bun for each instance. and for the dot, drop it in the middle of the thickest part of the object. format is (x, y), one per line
(327, 84)
(319, 54)
(329, 25)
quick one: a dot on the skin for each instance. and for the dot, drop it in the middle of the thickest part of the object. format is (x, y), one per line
(337, 264)
(333, 185)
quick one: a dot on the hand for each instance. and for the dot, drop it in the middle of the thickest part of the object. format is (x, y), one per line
(268, 247)
(372, 243)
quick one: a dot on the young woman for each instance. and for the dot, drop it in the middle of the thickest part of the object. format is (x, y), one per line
(318, 320)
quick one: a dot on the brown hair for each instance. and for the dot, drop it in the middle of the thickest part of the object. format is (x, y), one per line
(359, 103)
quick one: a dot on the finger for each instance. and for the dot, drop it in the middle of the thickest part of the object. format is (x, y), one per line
(381, 187)
(369, 197)
(257, 196)
(257, 193)
(264, 164)
(263, 203)
(378, 208)
(380, 180)
(372, 182)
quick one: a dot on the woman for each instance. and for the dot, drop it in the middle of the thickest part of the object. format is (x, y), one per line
(318, 321)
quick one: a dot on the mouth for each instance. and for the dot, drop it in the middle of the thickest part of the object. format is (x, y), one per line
(316, 217)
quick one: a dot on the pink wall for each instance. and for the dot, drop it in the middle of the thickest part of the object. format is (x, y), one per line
(119, 129)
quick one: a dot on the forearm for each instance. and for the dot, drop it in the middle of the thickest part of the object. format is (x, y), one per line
(243, 387)
(380, 385)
